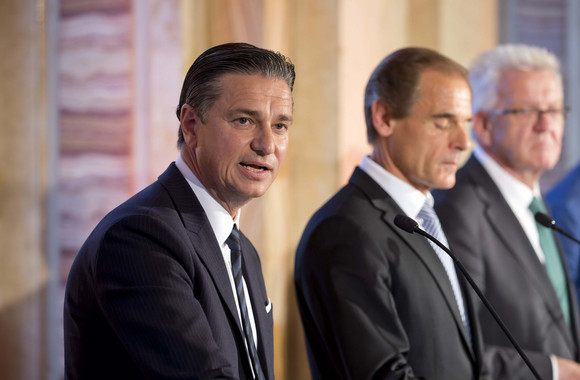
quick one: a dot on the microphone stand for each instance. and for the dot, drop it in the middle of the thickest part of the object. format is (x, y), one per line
(406, 226)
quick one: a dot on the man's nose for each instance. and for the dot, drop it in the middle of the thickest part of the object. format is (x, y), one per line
(263, 142)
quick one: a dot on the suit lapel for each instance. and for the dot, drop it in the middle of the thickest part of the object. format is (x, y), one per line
(201, 235)
(418, 244)
(508, 228)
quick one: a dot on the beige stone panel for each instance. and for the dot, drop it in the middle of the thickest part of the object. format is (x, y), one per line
(194, 31)
(212, 22)
(467, 28)
(367, 34)
(235, 21)
(313, 154)
(205, 23)
(23, 271)
(423, 22)
(458, 29)
(277, 18)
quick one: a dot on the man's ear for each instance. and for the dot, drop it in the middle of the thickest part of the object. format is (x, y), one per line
(190, 123)
(483, 128)
(382, 119)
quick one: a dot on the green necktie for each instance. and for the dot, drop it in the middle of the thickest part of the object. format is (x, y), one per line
(553, 263)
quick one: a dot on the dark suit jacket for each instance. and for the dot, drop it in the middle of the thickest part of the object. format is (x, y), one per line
(487, 237)
(564, 202)
(148, 295)
(375, 301)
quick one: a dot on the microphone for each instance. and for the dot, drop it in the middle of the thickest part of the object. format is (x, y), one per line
(409, 225)
(546, 221)
(406, 224)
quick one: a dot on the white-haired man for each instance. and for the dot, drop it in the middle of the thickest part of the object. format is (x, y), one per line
(488, 217)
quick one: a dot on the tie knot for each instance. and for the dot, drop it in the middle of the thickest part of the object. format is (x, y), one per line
(537, 205)
(233, 241)
(427, 212)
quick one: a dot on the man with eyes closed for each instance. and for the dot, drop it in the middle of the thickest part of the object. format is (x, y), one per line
(167, 286)
(375, 301)
(488, 217)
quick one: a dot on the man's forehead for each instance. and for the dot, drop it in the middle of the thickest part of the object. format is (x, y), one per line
(255, 96)
(517, 78)
(515, 85)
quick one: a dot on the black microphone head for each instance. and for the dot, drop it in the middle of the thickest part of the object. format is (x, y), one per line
(405, 223)
(544, 220)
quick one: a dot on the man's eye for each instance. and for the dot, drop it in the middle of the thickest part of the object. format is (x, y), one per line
(442, 124)
(243, 120)
(280, 126)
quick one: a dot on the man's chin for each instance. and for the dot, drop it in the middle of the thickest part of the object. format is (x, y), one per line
(545, 164)
(446, 184)
(255, 191)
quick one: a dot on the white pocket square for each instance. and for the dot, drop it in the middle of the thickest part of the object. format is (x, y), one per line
(268, 306)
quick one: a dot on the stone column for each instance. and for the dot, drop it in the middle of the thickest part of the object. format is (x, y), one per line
(25, 183)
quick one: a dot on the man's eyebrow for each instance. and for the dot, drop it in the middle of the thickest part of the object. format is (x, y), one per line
(243, 111)
(449, 116)
(443, 115)
(284, 117)
(255, 114)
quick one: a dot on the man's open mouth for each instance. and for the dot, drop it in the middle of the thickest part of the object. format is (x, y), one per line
(254, 168)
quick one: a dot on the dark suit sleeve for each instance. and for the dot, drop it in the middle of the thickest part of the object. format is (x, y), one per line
(462, 228)
(343, 285)
(144, 287)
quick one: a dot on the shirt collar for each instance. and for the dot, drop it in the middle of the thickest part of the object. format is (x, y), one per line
(514, 191)
(220, 220)
(409, 199)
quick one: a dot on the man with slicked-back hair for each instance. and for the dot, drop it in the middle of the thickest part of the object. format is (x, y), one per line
(166, 286)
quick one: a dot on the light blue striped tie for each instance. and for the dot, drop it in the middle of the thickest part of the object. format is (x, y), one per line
(430, 222)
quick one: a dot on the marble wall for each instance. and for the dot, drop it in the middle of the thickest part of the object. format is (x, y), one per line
(24, 185)
(95, 116)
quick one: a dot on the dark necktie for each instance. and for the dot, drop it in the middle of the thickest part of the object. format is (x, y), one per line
(552, 262)
(431, 224)
(233, 241)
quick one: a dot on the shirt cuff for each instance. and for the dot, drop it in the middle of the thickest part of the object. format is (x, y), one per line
(555, 372)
